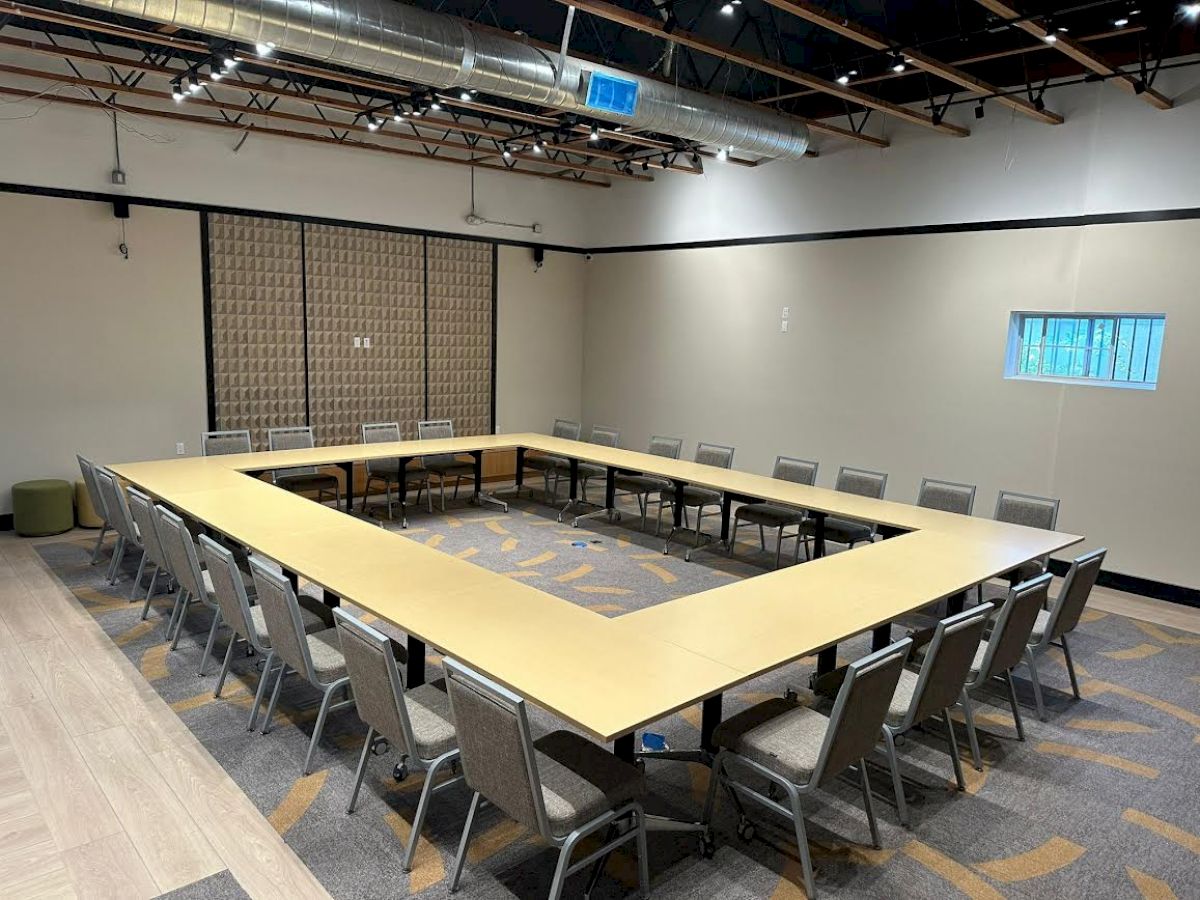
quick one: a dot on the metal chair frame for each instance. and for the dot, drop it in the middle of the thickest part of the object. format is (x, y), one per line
(448, 463)
(781, 535)
(643, 497)
(402, 479)
(87, 469)
(667, 498)
(280, 477)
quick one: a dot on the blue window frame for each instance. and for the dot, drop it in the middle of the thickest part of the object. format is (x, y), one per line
(1109, 349)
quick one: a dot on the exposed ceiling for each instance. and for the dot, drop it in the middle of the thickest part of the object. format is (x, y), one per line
(841, 67)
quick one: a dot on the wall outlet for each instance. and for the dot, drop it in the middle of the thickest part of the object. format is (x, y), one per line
(783, 326)
(786, 311)
(357, 343)
(366, 343)
(180, 449)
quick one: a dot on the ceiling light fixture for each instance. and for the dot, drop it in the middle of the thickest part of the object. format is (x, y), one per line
(898, 64)
(594, 135)
(434, 102)
(1192, 10)
(722, 155)
(230, 62)
(465, 95)
(979, 110)
(372, 123)
(397, 113)
(1120, 23)
(506, 153)
(264, 49)
(843, 79)
(727, 9)
(177, 91)
(193, 84)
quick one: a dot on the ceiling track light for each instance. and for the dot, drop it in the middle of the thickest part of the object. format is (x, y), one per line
(843, 79)
(215, 72)
(264, 48)
(230, 62)
(979, 112)
(666, 161)
(177, 91)
(727, 9)
(373, 123)
(506, 152)
(722, 154)
(898, 64)
(194, 84)
(594, 134)
(1191, 10)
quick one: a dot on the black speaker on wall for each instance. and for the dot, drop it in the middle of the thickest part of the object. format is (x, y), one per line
(539, 257)
(121, 209)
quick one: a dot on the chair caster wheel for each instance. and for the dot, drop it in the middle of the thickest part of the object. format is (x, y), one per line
(708, 847)
(400, 773)
(380, 747)
(745, 830)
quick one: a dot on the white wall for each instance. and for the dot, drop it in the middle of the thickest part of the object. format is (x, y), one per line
(894, 361)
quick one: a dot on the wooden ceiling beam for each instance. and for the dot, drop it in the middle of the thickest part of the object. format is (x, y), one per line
(861, 34)
(1075, 49)
(655, 27)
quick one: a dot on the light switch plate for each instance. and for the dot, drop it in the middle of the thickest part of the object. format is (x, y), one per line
(783, 325)
(366, 343)
(357, 343)
(180, 449)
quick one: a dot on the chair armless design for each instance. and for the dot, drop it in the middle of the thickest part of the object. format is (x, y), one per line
(195, 584)
(87, 469)
(862, 482)
(1033, 512)
(694, 496)
(546, 463)
(948, 496)
(301, 478)
(122, 523)
(388, 470)
(222, 443)
(642, 486)
(776, 515)
(444, 465)
(799, 749)
(602, 436)
(141, 510)
(561, 786)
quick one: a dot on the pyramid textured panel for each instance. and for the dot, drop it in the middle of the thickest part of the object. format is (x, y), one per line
(460, 333)
(367, 284)
(257, 323)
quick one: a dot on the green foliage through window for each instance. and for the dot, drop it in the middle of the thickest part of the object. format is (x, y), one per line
(1114, 348)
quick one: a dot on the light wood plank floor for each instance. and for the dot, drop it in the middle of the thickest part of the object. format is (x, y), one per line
(104, 792)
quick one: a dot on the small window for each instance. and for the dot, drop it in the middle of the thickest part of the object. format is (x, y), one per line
(1109, 349)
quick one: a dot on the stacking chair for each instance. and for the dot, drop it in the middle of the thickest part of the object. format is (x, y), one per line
(935, 689)
(194, 585)
(642, 486)
(863, 482)
(1033, 511)
(388, 470)
(87, 469)
(547, 463)
(141, 510)
(1003, 651)
(1061, 619)
(417, 722)
(316, 657)
(122, 524)
(800, 749)
(775, 515)
(302, 478)
(602, 436)
(444, 465)
(694, 495)
(221, 443)
(948, 496)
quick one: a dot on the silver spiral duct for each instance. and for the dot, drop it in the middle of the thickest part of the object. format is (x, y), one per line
(389, 38)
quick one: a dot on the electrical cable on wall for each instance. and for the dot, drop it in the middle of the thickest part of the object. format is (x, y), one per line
(474, 218)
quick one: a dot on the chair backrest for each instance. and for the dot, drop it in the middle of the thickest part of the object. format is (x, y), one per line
(297, 437)
(380, 433)
(496, 746)
(220, 443)
(667, 447)
(714, 455)
(605, 436)
(1027, 509)
(230, 589)
(1077, 587)
(180, 551)
(1014, 623)
(948, 496)
(947, 664)
(141, 510)
(566, 428)
(433, 429)
(863, 482)
(281, 614)
(115, 506)
(375, 678)
(87, 469)
(791, 468)
(859, 709)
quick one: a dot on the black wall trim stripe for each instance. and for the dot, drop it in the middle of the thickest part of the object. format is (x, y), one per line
(210, 375)
(425, 292)
(304, 318)
(495, 302)
(1135, 584)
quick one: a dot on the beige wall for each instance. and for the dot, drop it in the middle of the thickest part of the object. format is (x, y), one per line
(539, 366)
(894, 361)
(98, 354)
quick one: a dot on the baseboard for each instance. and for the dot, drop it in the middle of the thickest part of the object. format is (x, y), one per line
(1135, 584)
(6, 522)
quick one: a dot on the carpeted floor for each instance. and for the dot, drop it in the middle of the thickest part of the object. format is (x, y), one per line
(1099, 802)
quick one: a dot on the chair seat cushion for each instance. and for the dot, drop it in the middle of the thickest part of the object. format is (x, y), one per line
(840, 531)
(1024, 571)
(432, 723)
(312, 622)
(693, 496)
(325, 648)
(591, 470)
(581, 780)
(313, 481)
(778, 734)
(544, 462)
(902, 698)
(770, 514)
(640, 484)
(451, 468)
(389, 470)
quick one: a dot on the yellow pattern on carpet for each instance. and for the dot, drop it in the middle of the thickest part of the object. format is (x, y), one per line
(1172, 833)
(1104, 759)
(1141, 651)
(954, 872)
(1056, 853)
(297, 800)
(1149, 887)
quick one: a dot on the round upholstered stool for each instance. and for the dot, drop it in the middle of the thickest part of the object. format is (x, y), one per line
(85, 513)
(46, 506)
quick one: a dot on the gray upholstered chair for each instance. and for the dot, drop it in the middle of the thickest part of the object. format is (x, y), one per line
(863, 482)
(934, 690)
(141, 510)
(1033, 512)
(1003, 651)
(87, 469)
(221, 443)
(388, 470)
(245, 622)
(444, 465)
(776, 515)
(301, 478)
(715, 455)
(602, 436)
(122, 523)
(315, 657)
(1061, 619)
(180, 550)
(948, 496)
(546, 463)
(642, 486)
(561, 786)
(799, 749)
(416, 723)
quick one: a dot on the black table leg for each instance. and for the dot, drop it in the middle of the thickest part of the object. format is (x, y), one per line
(574, 478)
(726, 507)
(520, 479)
(477, 455)
(677, 506)
(827, 660)
(818, 535)
(955, 603)
(881, 636)
(416, 663)
(294, 580)
(710, 718)
(623, 748)
(331, 599)
(348, 470)
(610, 488)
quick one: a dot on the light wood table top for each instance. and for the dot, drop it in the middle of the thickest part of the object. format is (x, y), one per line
(608, 677)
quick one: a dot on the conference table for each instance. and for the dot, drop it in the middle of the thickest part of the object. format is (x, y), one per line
(608, 677)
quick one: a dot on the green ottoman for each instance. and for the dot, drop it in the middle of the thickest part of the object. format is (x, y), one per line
(43, 507)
